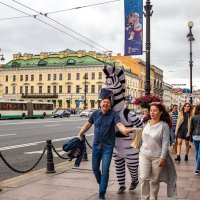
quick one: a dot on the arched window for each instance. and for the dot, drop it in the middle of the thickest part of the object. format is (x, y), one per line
(42, 63)
(15, 64)
(71, 62)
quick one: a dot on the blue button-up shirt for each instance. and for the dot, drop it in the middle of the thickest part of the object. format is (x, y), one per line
(104, 127)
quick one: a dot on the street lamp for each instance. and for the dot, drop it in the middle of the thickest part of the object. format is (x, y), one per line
(85, 91)
(190, 39)
(2, 58)
(148, 15)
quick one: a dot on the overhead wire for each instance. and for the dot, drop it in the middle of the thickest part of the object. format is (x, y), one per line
(40, 13)
(75, 8)
(79, 7)
(35, 17)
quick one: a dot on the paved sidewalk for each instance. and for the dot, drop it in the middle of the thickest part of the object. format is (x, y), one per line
(70, 183)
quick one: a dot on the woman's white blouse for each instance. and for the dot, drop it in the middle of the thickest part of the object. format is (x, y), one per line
(155, 140)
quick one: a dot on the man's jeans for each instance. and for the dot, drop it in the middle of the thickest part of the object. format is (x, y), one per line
(197, 147)
(172, 134)
(103, 154)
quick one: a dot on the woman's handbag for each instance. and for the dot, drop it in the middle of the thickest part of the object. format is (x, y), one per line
(173, 148)
(137, 138)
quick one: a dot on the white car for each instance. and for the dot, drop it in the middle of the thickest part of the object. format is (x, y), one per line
(85, 113)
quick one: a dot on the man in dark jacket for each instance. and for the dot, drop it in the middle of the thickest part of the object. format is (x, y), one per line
(105, 119)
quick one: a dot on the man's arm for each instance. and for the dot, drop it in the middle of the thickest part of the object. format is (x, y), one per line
(123, 129)
(84, 129)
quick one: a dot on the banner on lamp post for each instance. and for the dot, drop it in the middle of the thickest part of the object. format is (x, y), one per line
(133, 11)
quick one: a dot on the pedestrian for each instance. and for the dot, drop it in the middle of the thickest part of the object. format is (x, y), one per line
(174, 118)
(104, 119)
(146, 116)
(182, 130)
(154, 158)
(195, 135)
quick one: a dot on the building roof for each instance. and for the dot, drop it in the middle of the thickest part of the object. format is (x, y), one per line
(53, 61)
(129, 62)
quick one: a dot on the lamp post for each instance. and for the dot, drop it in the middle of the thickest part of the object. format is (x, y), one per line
(85, 91)
(2, 58)
(190, 39)
(148, 15)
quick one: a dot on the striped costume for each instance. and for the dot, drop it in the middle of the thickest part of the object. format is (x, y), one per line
(123, 152)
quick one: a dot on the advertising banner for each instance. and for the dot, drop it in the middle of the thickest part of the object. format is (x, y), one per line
(133, 11)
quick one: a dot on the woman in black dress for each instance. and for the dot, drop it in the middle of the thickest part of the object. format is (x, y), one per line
(182, 130)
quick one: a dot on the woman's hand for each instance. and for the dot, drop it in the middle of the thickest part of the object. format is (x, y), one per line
(162, 162)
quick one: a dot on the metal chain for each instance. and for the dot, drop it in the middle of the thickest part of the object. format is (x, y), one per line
(88, 143)
(58, 153)
(25, 171)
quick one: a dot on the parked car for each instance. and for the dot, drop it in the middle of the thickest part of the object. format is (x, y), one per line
(61, 113)
(85, 113)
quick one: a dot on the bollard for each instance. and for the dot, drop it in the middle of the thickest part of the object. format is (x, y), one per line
(85, 157)
(50, 163)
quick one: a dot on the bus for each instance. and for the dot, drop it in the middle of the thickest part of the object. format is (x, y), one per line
(24, 109)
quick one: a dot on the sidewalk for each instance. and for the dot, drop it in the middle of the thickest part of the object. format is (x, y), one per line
(70, 183)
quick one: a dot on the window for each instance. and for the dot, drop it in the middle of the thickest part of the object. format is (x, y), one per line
(77, 76)
(77, 89)
(14, 89)
(26, 89)
(6, 90)
(93, 89)
(60, 89)
(60, 77)
(49, 89)
(92, 104)
(69, 89)
(70, 62)
(69, 76)
(40, 89)
(21, 77)
(99, 87)
(7, 78)
(93, 75)
(54, 77)
(21, 89)
(32, 89)
(100, 75)
(26, 78)
(14, 78)
(49, 77)
(60, 104)
(40, 77)
(54, 89)
(86, 88)
(32, 77)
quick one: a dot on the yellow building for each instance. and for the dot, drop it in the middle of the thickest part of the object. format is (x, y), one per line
(138, 67)
(66, 78)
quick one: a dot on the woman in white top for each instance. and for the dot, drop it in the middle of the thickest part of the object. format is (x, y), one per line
(154, 150)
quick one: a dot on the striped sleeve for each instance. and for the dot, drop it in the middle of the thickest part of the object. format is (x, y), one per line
(134, 119)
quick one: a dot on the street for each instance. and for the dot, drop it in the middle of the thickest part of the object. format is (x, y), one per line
(22, 141)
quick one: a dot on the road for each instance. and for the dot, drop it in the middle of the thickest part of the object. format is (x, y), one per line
(23, 141)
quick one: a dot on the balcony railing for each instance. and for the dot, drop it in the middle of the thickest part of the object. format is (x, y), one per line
(42, 95)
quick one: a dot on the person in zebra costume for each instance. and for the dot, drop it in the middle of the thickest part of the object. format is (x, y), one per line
(123, 153)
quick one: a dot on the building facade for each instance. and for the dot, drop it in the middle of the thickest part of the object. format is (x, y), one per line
(69, 79)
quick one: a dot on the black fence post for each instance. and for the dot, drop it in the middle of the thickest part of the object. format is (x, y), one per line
(50, 163)
(85, 157)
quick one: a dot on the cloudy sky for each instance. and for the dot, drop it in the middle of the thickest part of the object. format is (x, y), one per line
(102, 23)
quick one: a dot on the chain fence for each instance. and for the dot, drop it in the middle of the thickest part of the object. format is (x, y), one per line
(23, 171)
(47, 148)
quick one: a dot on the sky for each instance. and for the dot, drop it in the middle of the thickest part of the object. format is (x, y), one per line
(102, 23)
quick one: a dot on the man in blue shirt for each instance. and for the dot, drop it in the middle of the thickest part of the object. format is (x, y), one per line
(105, 119)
